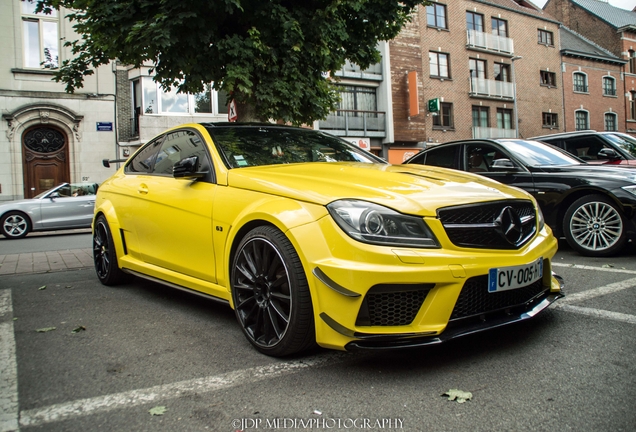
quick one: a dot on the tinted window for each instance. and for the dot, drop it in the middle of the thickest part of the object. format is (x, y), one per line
(484, 158)
(534, 153)
(177, 146)
(441, 157)
(256, 146)
(143, 161)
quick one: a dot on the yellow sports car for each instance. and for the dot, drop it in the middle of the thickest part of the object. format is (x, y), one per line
(313, 240)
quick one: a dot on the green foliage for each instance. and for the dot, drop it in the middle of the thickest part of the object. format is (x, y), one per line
(270, 54)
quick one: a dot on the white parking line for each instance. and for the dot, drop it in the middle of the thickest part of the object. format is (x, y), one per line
(600, 291)
(603, 269)
(8, 366)
(133, 398)
(598, 313)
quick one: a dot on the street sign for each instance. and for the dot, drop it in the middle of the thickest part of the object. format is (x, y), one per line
(104, 126)
(231, 111)
(433, 105)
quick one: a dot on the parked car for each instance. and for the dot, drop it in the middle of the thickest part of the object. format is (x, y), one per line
(66, 206)
(625, 141)
(311, 239)
(592, 147)
(592, 206)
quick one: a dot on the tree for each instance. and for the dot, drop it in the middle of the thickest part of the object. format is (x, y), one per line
(271, 56)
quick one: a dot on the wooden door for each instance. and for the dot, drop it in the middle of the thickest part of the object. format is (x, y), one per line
(45, 159)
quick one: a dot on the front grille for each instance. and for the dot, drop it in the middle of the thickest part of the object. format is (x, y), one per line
(392, 305)
(482, 225)
(476, 300)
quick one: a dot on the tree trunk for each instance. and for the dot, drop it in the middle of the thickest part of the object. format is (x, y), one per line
(247, 112)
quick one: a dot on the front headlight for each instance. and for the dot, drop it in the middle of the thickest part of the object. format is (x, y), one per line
(541, 218)
(375, 224)
(630, 189)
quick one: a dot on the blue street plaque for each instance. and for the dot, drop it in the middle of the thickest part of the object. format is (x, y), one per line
(104, 126)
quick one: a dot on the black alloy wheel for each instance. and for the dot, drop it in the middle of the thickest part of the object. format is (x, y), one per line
(104, 255)
(270, 293)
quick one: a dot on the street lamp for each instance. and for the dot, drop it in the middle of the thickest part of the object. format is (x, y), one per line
(514, 95)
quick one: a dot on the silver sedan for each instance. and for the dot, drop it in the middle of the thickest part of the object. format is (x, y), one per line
(67, 206)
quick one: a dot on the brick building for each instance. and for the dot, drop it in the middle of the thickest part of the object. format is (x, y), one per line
(611, 28)
(592, 85)
(487, 73)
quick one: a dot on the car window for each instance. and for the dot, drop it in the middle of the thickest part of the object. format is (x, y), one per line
(143, 160)
(177, 146)
(262, 145)
(441, 157)
(536, 154)
(480, 157)
(585, 147)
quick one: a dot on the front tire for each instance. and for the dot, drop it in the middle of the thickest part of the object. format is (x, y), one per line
(104, 255)
(15, 225)
(594, 226)
(270, 292)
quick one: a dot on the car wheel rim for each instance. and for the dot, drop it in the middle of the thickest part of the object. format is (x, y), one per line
(100, 250)
(263, 299)
(596, 226)
(15, 225)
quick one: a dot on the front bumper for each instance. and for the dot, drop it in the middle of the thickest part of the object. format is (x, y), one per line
(427, 286)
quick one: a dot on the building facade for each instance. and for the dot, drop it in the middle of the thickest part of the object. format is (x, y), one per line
(592, 85)
(48, 136)
(611, 28)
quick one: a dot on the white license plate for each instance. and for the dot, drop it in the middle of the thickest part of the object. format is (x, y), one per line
(507, 278)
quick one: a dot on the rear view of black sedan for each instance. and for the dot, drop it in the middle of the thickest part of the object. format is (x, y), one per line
(592, 206)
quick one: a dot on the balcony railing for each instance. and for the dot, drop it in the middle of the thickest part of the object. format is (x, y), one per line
(351, 70)
(355, 123)
(490, 42)
(486, 132)
(491, 88)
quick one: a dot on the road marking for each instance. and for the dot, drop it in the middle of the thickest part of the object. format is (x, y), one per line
(584, 267)
(84, 407)
(597, 313)
(600, 291)
(8, 366)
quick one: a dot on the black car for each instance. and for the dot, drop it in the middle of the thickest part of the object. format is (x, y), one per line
(592, 206)
(592, 147)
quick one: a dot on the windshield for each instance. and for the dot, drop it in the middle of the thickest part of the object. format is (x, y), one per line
(246, 146)
(538, 154)
(626, 142)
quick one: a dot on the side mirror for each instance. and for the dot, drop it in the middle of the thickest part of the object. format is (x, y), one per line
(504, 165)
(187, 168)
(54, 195)
(608, 153)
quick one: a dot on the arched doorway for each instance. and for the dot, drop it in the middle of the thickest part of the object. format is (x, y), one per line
(45, 159)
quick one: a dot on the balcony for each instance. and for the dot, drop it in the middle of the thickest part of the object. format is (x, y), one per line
(486, 132)
(489, 42)
(480, 87)
(355, 123)
(351, 70)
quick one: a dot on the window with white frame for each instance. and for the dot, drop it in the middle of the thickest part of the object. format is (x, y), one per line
(580, 82)
(155, 100)
(581, 120)
(609, 86)
(40, 37)
(610, 122)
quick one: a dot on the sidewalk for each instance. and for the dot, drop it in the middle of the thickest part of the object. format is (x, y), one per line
(44, 262)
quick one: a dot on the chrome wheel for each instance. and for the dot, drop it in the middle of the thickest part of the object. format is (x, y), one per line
(270, 293)
(595, 226)
(15, 225)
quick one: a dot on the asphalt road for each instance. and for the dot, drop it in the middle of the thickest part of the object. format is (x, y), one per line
(118, 353)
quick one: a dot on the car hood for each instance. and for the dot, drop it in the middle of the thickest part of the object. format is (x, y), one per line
(619, 173)
(412, 189)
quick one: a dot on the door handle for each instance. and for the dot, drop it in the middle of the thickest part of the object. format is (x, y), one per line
(143, 189)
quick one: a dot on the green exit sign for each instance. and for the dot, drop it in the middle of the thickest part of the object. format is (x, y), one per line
(433, 105)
